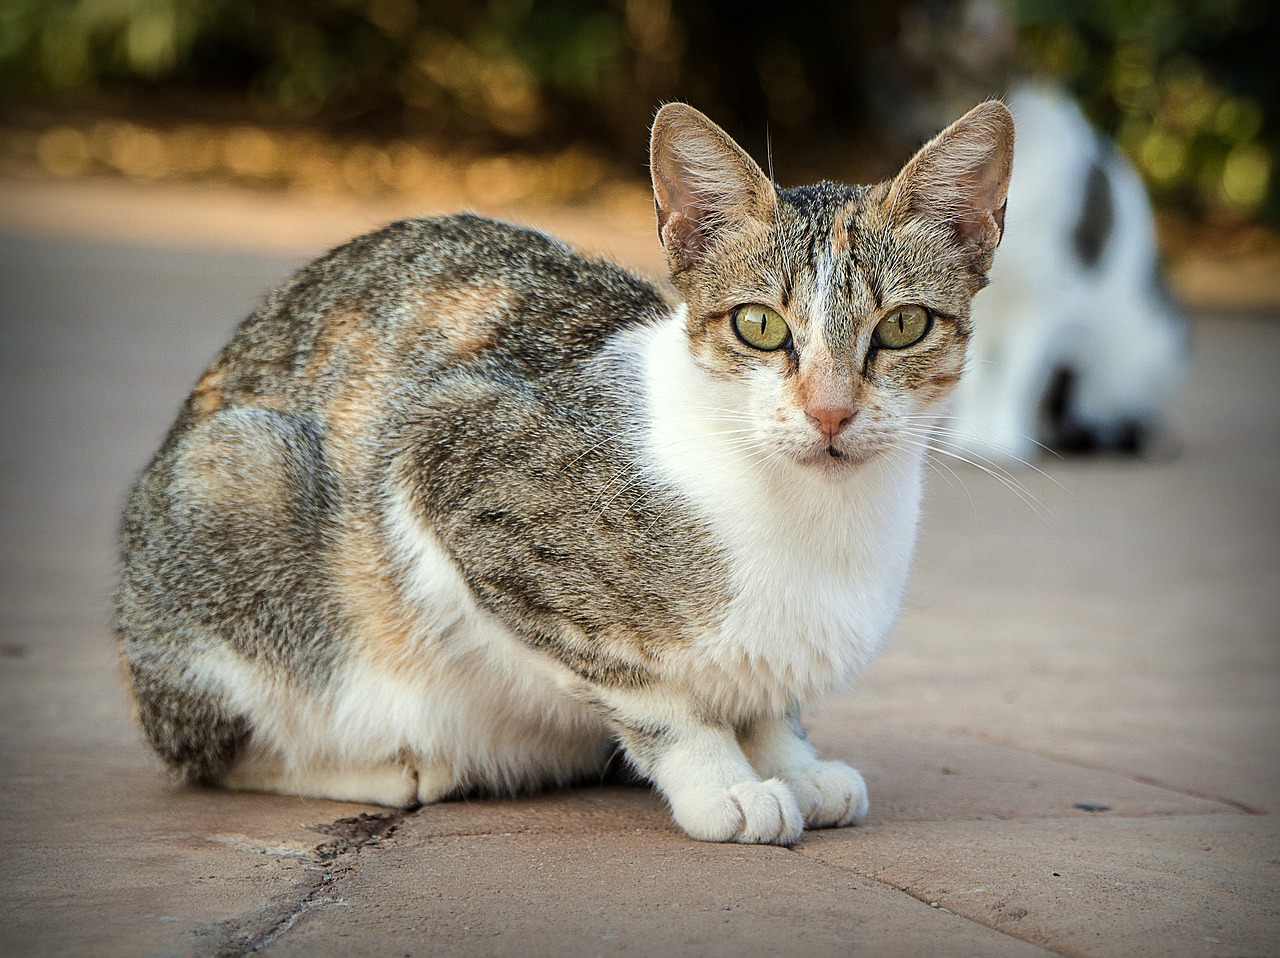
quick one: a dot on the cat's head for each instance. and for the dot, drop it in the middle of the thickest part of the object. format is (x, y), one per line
(830, 320)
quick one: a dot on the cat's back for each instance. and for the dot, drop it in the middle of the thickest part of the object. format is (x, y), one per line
(417, 300)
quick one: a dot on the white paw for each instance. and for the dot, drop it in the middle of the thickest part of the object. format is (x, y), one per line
(829, 794)
(750, 812)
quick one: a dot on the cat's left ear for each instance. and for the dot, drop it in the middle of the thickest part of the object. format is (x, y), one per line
(705, 186)
(960, 180)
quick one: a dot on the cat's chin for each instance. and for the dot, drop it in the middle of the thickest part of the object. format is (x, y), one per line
(833, 460)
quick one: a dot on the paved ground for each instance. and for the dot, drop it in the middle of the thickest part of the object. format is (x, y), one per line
(1115, 645)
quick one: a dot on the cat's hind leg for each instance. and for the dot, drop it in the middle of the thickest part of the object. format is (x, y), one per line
(191, 726)
(829, 793)
(398, 783)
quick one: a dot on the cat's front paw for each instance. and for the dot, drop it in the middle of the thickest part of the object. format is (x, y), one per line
(829, 794)
(749, 812)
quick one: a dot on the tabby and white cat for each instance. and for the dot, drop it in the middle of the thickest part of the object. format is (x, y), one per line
(458, 509)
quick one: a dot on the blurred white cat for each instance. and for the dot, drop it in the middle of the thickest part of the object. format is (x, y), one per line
(1078, 344)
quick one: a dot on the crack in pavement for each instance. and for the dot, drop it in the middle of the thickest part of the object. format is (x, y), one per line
(329, 862)
(325, 865)
(1007, 931)
(1072, 761)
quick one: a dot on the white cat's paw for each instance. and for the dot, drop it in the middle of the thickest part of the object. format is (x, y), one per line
(749, 812)
(829, 794)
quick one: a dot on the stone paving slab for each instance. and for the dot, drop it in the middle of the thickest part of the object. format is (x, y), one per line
(146, 867)
(921, 774)
(609, 889)
(151, 877)
(1202, 885)
(588, 871)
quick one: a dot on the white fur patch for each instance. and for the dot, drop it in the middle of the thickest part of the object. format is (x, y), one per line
(818, 561)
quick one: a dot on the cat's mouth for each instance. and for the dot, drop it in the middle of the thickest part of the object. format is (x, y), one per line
(833, 457)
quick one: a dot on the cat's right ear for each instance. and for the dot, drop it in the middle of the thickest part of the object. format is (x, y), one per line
(705, 186)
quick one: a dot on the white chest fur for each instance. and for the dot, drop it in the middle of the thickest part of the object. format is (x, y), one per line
(818, 561)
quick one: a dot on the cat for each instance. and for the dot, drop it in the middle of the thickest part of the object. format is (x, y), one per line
(1078, 344)
(461, 510)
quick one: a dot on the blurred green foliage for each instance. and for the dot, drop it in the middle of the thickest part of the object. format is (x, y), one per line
(1189, 88)
(556, 70)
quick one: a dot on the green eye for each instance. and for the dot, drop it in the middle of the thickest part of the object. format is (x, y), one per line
(902, 327)
(760, 327)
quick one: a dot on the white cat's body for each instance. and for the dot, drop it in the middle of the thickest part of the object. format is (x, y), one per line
(1069, 297)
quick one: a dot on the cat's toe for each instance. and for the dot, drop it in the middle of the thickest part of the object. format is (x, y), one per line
(770, 815)
(757, 813)
(830, 794)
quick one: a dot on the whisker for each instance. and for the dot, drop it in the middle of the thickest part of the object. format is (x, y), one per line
(937, 418)
(1001, 475)
(957, 442)
(937, 465)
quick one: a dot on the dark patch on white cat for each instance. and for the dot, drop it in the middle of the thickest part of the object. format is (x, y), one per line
(1097, 215)
(1064, 431)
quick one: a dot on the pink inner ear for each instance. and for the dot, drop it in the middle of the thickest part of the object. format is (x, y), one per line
(680, 216)
(978, 195)
(670, 198)
(961, 178)
(974, 233)
(704, 184)
(681, 234)
(979, 226)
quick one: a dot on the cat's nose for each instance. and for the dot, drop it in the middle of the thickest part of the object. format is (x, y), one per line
(830, 420)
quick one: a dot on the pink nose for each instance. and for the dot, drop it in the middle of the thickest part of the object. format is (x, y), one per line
(830, 421)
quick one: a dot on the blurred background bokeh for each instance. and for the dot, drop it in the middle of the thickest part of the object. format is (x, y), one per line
(549, 101)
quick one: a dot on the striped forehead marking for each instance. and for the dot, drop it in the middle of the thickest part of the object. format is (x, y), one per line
(829, 213)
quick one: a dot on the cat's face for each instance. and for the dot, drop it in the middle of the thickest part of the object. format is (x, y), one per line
(832, 333)
(831, 321)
